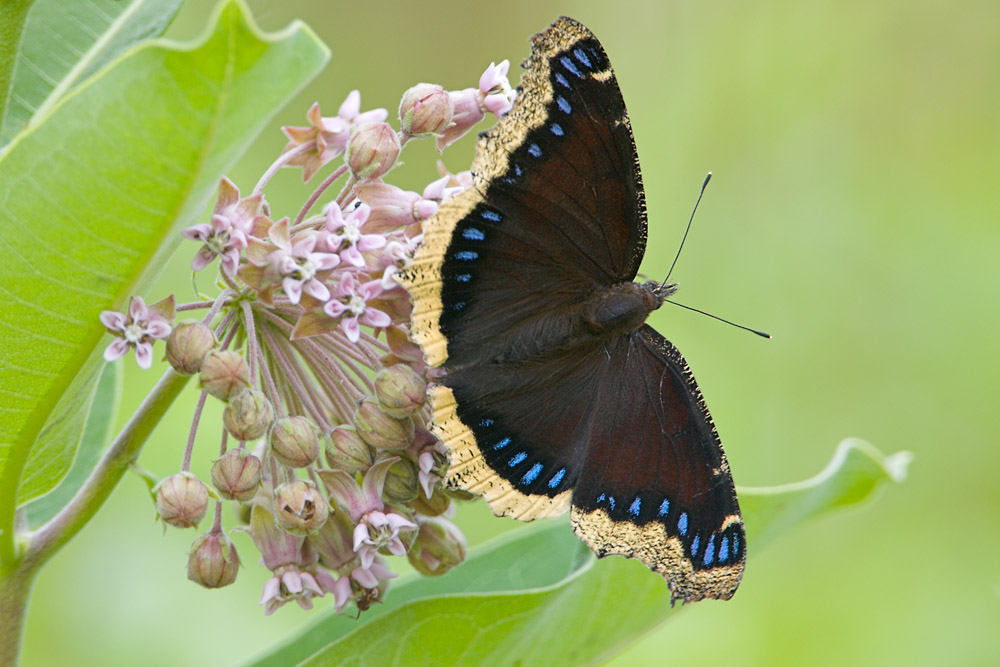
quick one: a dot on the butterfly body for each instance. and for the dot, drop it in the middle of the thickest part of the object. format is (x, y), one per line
(552, 392)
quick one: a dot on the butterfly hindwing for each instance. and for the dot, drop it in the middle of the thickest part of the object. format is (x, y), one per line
(670, 502)
(540, 410)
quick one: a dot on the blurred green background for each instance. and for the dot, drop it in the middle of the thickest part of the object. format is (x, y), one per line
(854, 213)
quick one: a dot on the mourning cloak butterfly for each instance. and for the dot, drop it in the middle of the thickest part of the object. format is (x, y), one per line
(553, 394)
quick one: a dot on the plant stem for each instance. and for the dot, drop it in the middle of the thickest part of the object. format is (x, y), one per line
(17, 576)
(15, 585)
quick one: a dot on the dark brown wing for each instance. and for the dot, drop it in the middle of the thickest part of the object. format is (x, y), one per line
(534, 410)
(557, 210)
(655, 484)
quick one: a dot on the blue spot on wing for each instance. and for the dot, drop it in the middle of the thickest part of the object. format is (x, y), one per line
(709, 551)
(571, 66)
(611, 501)
(532, 474)
(466, 255)
(636, 505)
(664, 508)
(458, 306)
(473, 234)
(564, 106)
(557, 129)
(694, 546)
(535, 150)
(463, 277)
(517, 459)
(562, 80)
(493, 216)
(600, 498)
(486, 422)
(503, 443)
(579, 54)
(682, 523)
(556, 478)
(723, 549)
(736, 546)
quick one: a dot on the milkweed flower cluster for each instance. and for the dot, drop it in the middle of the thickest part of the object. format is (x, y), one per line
(325, 443)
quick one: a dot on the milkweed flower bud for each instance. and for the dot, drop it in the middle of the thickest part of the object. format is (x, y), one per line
(401, 484)
(213, 561)
(400, 391)
(425, 110)
(345, 450)
(379, 429)
(187, 346)
(372, 150)
(181, 500)
(236, 475)
(247, 415)
(334, 541)
(294, 441)
(299, 507)
(224, 374)
(439, 546)
(436, 505)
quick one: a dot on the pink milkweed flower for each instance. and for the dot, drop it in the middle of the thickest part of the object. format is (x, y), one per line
(397, 255)
(329, 136)
(350, 302)
(297, 265)
(288, 557)
(494, 95)
(226, 235)
(493, 84)
(138, 329)
(392, 207)
(343, 234)
(373, 575)
(443, 188)
(379, 530)
(430, 470)
(367, 579)
(289, 584)
(376, 528)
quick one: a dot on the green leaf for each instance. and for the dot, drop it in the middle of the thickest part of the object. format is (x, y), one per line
(65, 42)
(95, 432)
(93, 194)
(539, 592)
(47, 462)
(854, 473)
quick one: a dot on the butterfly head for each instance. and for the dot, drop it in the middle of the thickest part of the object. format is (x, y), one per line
(661, 291)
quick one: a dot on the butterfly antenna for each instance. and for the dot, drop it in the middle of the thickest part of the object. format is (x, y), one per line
(690, 220)
(721, 319)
